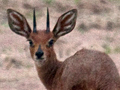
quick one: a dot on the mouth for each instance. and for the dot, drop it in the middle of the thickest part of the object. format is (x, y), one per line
(39, 58)
(39, 61)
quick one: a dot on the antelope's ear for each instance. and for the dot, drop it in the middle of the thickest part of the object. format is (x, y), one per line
(65, 23)
(18, 23)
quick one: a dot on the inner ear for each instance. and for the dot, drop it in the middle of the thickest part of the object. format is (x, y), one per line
(65, 23)
(18, 23)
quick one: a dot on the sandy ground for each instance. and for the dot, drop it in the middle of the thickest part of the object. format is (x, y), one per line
(97, 28)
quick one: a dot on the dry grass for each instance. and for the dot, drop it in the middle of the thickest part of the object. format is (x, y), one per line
(97, 28)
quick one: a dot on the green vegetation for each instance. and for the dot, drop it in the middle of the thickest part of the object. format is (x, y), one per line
(30, 15)
(28, 66)
(82, 30)
(109, 39)
(48, 1)
(117, 49)
(4, 24)
(116, 1)
(77, 1)
(5, 50)
(107, 48)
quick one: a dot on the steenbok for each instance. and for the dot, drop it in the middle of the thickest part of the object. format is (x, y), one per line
(85, 70)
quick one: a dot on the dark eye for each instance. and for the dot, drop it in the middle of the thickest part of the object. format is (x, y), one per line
(50, 43)
(31, 43)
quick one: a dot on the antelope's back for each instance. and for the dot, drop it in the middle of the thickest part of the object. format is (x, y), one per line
(92, 69)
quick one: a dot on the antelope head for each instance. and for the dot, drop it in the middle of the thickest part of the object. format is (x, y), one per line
(42, 41)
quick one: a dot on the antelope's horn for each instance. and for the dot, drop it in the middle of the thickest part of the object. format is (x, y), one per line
(48, 22)
(34, 22)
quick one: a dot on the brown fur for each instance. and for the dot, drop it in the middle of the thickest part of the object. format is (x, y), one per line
(86, 70)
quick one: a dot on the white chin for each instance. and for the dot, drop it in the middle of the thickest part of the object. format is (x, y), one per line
(39, 62)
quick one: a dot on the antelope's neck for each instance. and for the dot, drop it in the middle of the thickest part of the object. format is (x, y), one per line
(48, 71)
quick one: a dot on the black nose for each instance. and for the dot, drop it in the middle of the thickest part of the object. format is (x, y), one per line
(39, 54)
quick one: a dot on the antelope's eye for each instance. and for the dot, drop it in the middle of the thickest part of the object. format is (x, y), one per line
(50, 43)
(31, 43)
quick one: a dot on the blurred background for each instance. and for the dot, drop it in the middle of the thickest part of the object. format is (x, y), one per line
(97, 27)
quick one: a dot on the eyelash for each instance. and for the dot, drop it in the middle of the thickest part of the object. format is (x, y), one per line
(50, 43)
(31, 43)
